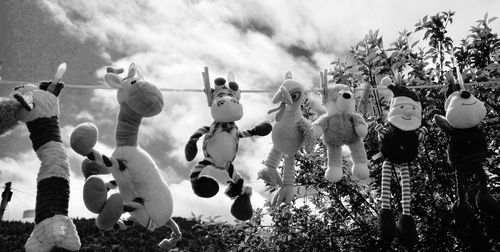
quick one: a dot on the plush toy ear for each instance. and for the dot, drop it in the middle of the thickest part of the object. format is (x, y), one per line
(443, 124)
(288, 75)
(139, 73)
(131, 71)
(230, 77)
(113, 80)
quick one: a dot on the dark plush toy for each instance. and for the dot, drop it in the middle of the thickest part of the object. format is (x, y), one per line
(38, 107)
(220, 145)
(466, 152)
(399, 146)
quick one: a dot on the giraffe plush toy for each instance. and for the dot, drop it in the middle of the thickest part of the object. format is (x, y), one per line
(143, 193)
(220, 145)
(399, 141)
(291, 131)
(38, 107)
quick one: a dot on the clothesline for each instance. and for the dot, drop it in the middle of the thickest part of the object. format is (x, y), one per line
(102, 85)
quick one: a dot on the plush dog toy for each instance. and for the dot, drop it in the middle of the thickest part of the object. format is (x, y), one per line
(290, 132)
(38, 107)
(466, 152)
(220, 145)
(143, 193)
(399, 146)
(339, 126)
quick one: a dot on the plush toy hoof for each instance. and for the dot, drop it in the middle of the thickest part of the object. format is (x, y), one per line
(205, 187)
(360, 171)
(242, 208)
(111, 212)
(487, 204)
(334, 174)
(387, 226)
(84, 138)
(408, 235)
(95, 194)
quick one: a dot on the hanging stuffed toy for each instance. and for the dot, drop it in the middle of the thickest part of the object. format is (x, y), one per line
(341, 126)
(220, 145)
(467, 152)
(143, 193)
(38, 107)
(399, 142)
(290, 132)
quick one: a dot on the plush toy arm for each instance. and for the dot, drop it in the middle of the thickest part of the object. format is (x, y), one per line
(360, 126)
(262, 129)
(381, 130)
(442, 123)
(191, 150)
(422, 134)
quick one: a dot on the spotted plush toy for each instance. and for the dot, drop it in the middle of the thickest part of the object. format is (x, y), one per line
(399, 142)
(220, 145)
(466, 152)
(143, 193)
(38, 107)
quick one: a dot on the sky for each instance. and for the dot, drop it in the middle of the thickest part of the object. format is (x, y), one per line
(259, 41)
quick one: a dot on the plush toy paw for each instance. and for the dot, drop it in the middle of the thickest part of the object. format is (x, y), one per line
(408, 235)
(110, 213)
(56, 231)
(360, 171)
(334, 174)
(204, 186)
(95, 194)
(487, 204)
(387, 226)
(190, 150)
(284, 195)
(270, 176)
(263, 129)
(242, 206)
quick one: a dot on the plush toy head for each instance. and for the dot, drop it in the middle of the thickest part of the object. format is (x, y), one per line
(225, 106)
(290, 95)
(141, 96)
(463, 110)
(340, 100)
(405, 111)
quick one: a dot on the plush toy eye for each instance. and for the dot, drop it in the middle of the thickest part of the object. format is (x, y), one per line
(401, 107)
(220, 103)
(133, 82)
(295, 96)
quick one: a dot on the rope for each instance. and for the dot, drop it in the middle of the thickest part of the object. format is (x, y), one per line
(102, 85)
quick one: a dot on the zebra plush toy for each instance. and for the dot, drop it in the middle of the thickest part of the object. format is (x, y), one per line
(38, 107)
(220, 145)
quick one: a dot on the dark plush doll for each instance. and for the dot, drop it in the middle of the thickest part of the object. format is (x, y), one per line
(38, 107)
(399, 146)
(220, 145)
(467, 151)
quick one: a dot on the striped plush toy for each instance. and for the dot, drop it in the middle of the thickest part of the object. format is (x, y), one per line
(38, 107)
(399, 146)
(220, 145)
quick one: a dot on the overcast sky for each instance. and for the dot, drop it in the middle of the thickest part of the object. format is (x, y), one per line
(172, 41)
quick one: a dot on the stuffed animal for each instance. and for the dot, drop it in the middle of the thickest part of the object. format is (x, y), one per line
(143, 193)
(290, 132)
(466, 152)
(38, 107)
(220, 145)
(342, 126)
(399, 142)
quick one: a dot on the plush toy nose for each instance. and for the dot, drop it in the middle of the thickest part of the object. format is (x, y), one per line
(346, 96)
(408, 112)
(464, 94)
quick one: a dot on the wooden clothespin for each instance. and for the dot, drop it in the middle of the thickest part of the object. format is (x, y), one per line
(323, 80)
(206, 83)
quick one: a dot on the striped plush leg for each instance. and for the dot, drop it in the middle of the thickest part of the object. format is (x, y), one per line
(386, 185)
(406, 225)
(203, 186)
(387, 226)
(235, 187)
(242, 206)
(405, 185)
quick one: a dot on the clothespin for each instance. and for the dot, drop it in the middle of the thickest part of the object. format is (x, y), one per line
(323, 80)
(206, 83)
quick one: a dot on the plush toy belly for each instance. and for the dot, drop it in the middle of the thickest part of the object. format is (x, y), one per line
(142, 179)
(287, 138)
(222, 148)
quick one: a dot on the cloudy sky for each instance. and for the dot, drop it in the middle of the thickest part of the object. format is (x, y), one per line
(172, 41)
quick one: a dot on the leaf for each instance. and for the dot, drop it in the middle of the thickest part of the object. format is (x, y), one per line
(492, 19)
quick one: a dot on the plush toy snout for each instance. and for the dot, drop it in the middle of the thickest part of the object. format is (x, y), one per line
(226, 109)
(144, 98)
